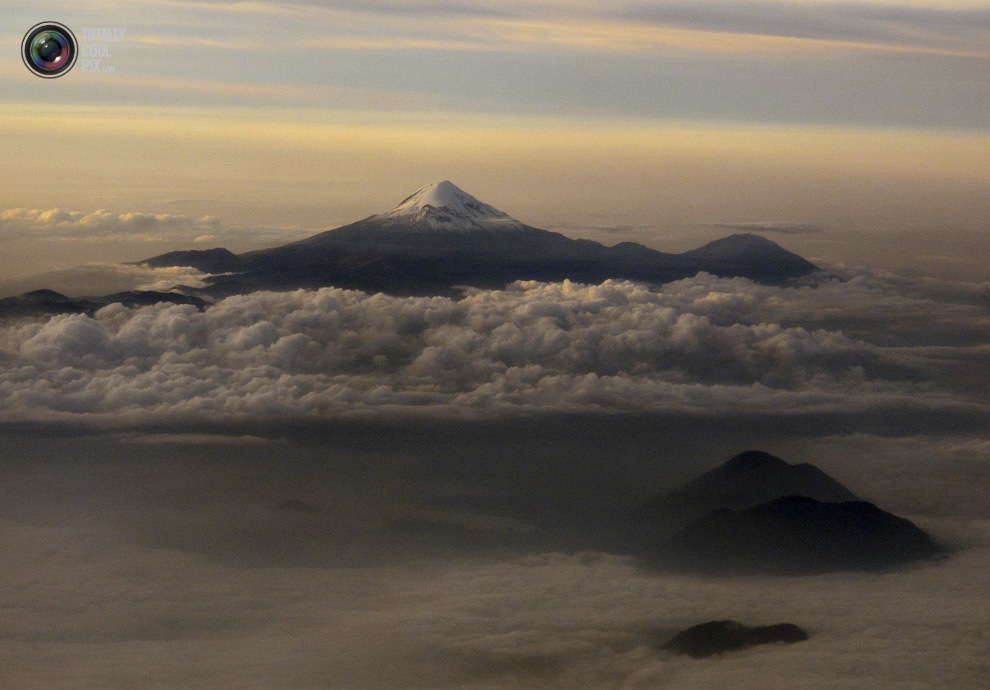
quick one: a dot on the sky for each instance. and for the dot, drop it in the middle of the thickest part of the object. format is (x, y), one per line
(333, 489)
(855, 133)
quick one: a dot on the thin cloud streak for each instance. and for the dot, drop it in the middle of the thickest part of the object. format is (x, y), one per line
(102, 224)
(727, 27)
(775, 227)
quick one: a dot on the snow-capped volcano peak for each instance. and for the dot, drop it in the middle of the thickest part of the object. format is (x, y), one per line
(444, 206)
(438, 194)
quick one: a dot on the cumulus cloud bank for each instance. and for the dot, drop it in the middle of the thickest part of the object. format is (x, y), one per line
(702, 346)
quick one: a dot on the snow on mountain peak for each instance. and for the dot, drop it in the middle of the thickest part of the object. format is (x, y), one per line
(444, 206)
(438, 194)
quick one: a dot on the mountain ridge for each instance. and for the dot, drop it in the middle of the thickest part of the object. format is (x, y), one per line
(440, 239)
(48, 302)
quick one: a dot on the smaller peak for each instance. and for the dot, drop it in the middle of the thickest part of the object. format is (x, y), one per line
(755, 458)
(736, 245)
(44, 293)
(744, 239)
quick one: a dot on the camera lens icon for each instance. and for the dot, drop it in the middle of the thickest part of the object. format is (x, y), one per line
(49, 49)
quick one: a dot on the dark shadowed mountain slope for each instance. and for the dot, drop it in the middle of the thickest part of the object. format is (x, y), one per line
(215, 260)
(796, 535)
(49, 302)
(441, 237)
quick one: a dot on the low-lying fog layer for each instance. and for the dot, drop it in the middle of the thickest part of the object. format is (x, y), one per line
(334, 490)
(255, 564)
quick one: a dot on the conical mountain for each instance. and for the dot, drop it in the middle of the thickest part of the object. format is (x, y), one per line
(441, 238)
(750, 255)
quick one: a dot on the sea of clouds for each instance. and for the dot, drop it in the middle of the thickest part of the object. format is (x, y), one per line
(700, 345)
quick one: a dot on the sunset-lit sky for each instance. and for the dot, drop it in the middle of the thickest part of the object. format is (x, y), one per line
(854, 133)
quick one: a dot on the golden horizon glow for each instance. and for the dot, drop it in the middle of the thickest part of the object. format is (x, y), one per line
(626, 120)
(318, 169)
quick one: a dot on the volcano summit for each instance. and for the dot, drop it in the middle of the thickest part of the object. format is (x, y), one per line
(445, 207)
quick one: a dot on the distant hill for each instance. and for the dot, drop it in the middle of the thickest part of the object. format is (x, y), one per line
(38, 302)
(718, 637)
(215, 260)
(749, 256)
(744, 481)
(756, 513)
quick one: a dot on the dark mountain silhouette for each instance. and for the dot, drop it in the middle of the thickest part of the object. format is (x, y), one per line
(49, 302)
(441, 238)
(745, 481)
(749, 256)
(39, 302)
(759, 514)
(139, 298)
(217, 260)
(797, 535)
(716, 637)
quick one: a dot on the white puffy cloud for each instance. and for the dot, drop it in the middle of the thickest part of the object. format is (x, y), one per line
(59, 223)
(700, 346)
(105, 225)
(879, 308)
